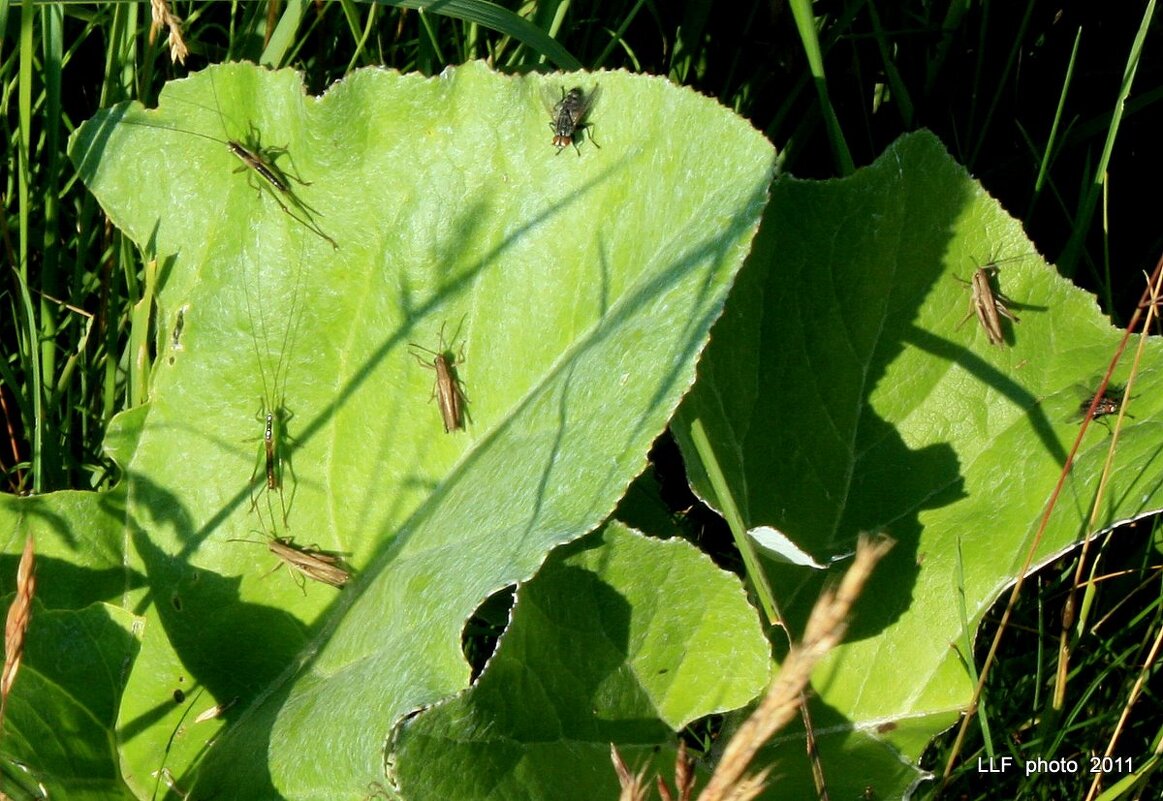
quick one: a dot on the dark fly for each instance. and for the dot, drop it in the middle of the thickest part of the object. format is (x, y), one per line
(176, 336)
(569, 117)
(176, 342)
(1110, 402)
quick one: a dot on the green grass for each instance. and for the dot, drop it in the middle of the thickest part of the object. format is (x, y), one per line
(1106, 661)
(1050, 108)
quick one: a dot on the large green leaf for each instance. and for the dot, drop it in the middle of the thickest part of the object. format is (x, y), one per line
(841, 392)
(80, 641)
(619, 639)
(56, 726)
(579, 288)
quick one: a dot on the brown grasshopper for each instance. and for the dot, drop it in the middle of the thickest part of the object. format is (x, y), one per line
(316, 564)
(447, 390)
(989, 306)
(319, 565)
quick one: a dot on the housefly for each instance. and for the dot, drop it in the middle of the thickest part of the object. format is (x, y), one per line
(568, 117)
(1110, 402)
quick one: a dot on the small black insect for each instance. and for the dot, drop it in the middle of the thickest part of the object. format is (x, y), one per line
(1110, 402)
(178, 326)
(569, 117)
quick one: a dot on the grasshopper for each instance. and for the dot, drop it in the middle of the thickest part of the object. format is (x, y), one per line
(322, 566)
(989, 306)
(447, 390)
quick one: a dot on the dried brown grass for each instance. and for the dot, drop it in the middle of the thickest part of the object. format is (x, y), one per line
(17, 623)
(825, 629)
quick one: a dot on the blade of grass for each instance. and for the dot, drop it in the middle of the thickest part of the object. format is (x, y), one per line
(790, 104)
(618, 38)
(5, 7)
(546, 16)
(726, 502)
(1052, 139)
(1069, 258)
(139, 339)
(689, 40)
(806, 26)
(430, 52)
(967, 659)
(31, 364)
(1000, 86)
(49, 160)
(361, 36)
(949, 25)
(24, 169)
(900, 92)
(499, 19)
(282, 39)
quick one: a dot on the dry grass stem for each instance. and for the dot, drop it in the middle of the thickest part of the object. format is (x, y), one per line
(17, 623)
(749, 787)
(684, 777)
(633, 784)
(824, 630)
(684, 774)
(162, 15)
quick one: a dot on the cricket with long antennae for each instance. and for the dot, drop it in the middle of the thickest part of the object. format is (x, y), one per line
(273, 412)
(257, 160)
